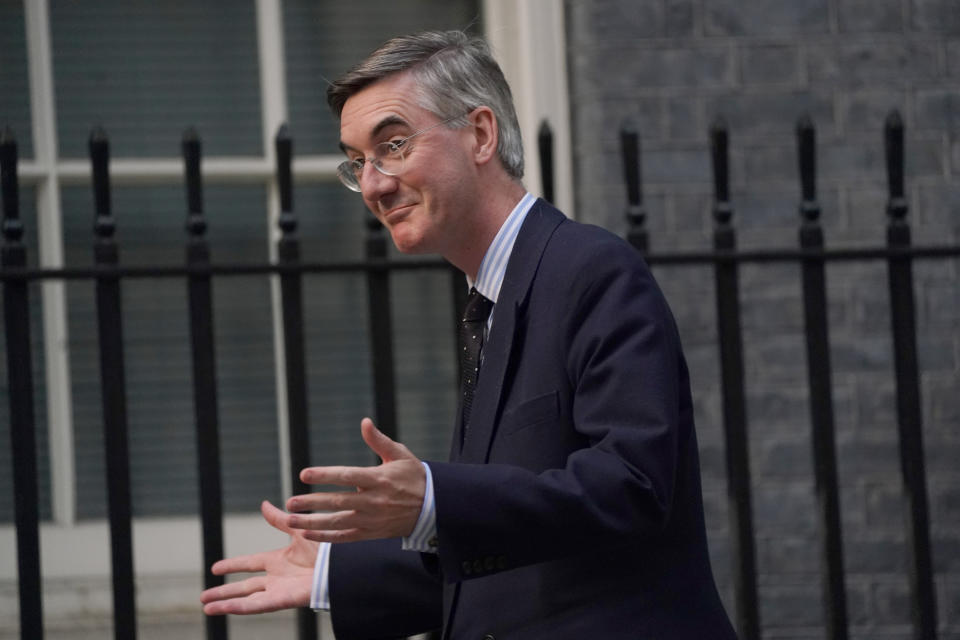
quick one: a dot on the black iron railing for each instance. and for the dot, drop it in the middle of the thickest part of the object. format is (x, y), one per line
(199, 275)
(899, 255)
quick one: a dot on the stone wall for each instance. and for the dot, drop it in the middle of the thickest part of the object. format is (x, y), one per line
(672, 67)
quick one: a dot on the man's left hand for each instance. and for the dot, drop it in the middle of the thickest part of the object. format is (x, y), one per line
(386, 501)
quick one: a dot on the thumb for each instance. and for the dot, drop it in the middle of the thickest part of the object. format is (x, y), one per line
(380, 444)
(274, 516)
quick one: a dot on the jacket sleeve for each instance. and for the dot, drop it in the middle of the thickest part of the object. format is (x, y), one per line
(378, 590)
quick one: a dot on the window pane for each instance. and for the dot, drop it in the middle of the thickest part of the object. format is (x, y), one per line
(324, 39)
(158, 357)
(14, 76)
(29, 218)
(146, 70)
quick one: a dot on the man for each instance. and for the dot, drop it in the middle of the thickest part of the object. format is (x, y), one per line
(571, 504)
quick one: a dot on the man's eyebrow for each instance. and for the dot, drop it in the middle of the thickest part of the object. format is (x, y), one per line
(380, 126)
(386, 122)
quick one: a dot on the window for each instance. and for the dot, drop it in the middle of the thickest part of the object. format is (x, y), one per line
(145, 71)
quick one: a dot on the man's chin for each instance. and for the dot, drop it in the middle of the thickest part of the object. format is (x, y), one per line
(415, 250)
(408, 245)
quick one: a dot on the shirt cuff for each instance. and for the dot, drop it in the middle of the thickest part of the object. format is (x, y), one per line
(320, 589)
(423, 538)
(424, 535)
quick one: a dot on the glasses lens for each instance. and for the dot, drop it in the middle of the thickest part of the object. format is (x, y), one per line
(388, 158)
(346, 171)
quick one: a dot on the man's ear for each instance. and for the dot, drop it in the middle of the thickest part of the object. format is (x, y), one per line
(486, 134)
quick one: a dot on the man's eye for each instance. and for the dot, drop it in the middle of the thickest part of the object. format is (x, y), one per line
(357, 165)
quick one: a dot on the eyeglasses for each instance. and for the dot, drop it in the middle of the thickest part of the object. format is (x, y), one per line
(387, 158)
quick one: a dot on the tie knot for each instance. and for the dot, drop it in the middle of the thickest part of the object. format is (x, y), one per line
(477, 308)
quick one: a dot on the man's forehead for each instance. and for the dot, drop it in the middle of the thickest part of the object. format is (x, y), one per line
(390, 101)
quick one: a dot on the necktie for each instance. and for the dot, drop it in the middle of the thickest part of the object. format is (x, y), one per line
(472, 326)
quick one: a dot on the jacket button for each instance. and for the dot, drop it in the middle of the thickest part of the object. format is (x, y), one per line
(489, 636)
(467, 569)
(488, 563)
(478, 566)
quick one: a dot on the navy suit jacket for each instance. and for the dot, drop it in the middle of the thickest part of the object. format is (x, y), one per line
(573, 508)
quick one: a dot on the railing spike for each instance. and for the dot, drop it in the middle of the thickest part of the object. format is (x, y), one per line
(191, 147)
(545, 147)
(633, 174)
(893, 146)
(12, 227)
(719, 153)
(284, 148)
(99, 148)
(807, 157)
(630, 150)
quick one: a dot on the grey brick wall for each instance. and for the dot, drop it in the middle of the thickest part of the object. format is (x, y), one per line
(672, 67)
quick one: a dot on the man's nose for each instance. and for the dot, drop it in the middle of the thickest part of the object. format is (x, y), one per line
(374, 183)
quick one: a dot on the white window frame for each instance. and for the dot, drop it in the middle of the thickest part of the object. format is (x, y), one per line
(529, 42)
(528, 39)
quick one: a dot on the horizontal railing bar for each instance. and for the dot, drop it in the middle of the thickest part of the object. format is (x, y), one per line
(229, 170)
(363, 266)
(226, 269)
(796, 255)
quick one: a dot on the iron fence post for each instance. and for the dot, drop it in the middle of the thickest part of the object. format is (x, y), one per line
(200, 294)
(820, 388)
(23, 442)
(291, 294)
(734, 400)
(909, 421)
(113, 392)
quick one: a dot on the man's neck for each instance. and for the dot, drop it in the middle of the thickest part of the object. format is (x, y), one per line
(495, 208)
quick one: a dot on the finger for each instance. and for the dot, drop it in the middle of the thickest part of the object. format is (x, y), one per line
(262, 601)
(233, 590)
(239, 606)
(361, 477)
(277, 518)
(240, 564)
(346, 535)
(380, 444)
(259, 602)
(339, 521)
(332, 501)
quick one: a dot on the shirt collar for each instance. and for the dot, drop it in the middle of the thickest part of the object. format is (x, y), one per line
(494, 263)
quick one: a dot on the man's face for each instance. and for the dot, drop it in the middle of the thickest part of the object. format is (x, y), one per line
(418, 206)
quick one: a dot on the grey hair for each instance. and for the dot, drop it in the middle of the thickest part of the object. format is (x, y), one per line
(456, 73)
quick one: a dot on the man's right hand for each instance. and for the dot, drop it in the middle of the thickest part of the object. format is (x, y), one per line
(285, 585)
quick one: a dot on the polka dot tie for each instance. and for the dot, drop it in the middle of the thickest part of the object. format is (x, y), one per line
(472, 327)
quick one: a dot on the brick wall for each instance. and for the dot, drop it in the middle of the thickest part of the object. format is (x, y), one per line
(672, 67)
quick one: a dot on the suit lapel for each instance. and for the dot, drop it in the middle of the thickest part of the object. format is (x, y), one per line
(539, 225)
(541, 221)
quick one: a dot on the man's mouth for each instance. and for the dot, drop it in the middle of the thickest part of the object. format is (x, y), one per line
(395, 211)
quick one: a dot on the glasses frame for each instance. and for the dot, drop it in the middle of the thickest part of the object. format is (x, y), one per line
(350, 171)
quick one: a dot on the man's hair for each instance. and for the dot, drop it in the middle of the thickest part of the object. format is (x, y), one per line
(455, 74)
